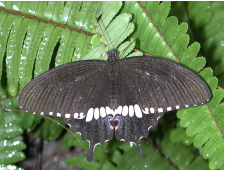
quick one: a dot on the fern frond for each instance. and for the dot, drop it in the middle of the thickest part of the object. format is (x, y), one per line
(209, 26)
(205, 125)
(11, 141)
(35, 38)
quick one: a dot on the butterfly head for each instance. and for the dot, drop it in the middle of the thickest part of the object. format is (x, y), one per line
(112, 53)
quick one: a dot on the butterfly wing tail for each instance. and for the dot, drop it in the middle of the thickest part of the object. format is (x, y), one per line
(133, 129)
(96, 132)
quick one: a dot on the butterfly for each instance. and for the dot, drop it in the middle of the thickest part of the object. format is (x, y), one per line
(127, 97)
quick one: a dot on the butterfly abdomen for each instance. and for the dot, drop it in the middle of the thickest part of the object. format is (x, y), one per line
(113, 91)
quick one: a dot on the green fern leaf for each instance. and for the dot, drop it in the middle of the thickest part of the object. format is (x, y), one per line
(10, 131)
(210, 25)
(202, 125)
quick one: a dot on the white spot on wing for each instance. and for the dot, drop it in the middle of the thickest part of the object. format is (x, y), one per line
(137, 110)
(146, 111)
(102, 112)
(75, 115)
(160, 110)
(177, 107)
(131, 111)
(89, 115)
(67, 115)
(81, 115)
(125, 110)
(96, 113)
(119, 110)
(152, 110)
(169, 108)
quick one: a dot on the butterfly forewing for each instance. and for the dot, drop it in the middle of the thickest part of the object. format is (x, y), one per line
(161, 85)
(66, 90)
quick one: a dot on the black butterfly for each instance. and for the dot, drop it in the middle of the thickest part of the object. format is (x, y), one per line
(127, 96)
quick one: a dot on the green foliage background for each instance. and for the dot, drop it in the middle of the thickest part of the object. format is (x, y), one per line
(36, 36)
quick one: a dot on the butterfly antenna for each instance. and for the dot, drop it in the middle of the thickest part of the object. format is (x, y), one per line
(121, 35)
(104, 29)
(127, 47)
(105, 32)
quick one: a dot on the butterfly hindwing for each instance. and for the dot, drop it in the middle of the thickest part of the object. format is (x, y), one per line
(132, 129)
(133, 123)
(97, 131)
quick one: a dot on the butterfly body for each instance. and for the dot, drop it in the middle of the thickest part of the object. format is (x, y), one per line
(128, 96)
